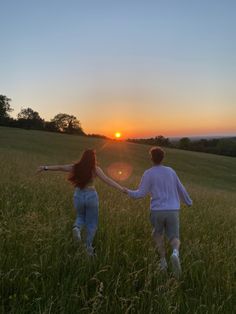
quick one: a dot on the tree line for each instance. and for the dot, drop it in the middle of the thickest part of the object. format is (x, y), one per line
(27, 118)
(219, 146)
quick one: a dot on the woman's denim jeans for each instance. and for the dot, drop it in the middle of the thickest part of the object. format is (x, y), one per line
(86, 205)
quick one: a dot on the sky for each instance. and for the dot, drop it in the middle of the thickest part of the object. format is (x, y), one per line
(142, 68)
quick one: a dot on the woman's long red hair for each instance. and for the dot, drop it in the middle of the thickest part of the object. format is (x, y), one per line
(84, 170)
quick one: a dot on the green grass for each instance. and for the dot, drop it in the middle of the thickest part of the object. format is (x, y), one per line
(41, 269)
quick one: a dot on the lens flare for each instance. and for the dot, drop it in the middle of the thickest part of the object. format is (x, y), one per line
(120, 171)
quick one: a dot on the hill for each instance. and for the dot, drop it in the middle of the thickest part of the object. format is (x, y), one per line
(42, 271)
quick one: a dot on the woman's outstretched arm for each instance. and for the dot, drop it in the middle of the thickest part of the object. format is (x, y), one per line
(65, 168)
(108, 180)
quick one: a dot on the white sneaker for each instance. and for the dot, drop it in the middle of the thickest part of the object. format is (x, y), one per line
(76, 234)
(163, 264)
(90, 251)
(176, 267)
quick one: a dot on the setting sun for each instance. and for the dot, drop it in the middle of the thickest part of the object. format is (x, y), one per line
(118, 135)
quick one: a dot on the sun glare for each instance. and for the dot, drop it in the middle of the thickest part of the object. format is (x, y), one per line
(120, 171)
(117, 135)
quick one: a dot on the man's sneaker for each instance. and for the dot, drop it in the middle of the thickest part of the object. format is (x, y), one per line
(90, 251)
(163, 264)
(176, 267)
(76, 234)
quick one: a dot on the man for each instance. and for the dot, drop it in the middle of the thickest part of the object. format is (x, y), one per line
(166, 191)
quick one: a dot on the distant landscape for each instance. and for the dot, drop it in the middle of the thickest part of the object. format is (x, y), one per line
(219, 146)
(29, 119)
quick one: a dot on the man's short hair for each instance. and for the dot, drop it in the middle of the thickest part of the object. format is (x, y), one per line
(157, 154)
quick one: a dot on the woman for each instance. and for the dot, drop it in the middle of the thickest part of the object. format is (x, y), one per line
(82, 175)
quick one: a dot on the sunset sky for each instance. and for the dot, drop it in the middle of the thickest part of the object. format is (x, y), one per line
(142, 68)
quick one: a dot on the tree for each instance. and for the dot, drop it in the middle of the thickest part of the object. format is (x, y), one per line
(154, 141)
(50, 126)
(226, 146)
(97, 136)
(162, 141)
(30, 119)
(5, 109)
(184, 143)
(68, 124)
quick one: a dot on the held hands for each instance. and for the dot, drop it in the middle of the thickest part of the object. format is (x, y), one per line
(124, 190)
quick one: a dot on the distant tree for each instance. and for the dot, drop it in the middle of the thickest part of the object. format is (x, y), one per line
(30, 119)
(226, 147)
(50, 126)
(68, 124)
(184, 143)
(154, 141)
(97, 136)
(162, 141)
(202, 144)
(5, 109)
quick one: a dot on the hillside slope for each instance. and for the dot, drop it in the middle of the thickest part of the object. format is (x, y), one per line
(42, 271)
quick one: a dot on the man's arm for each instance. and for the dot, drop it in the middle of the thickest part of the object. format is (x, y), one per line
(183, 194)
(143, 189)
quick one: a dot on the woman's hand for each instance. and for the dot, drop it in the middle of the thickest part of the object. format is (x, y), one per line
(40, 169)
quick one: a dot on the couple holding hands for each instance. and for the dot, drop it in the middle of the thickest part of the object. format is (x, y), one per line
(161, 182)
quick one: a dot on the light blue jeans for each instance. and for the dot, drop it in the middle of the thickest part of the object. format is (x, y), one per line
(86, 205)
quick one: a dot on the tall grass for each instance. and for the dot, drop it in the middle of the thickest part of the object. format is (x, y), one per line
(43, 271)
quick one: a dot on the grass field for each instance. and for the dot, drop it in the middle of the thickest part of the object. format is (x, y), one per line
(41, 269)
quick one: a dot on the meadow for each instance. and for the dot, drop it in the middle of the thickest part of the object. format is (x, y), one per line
(43, 271)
